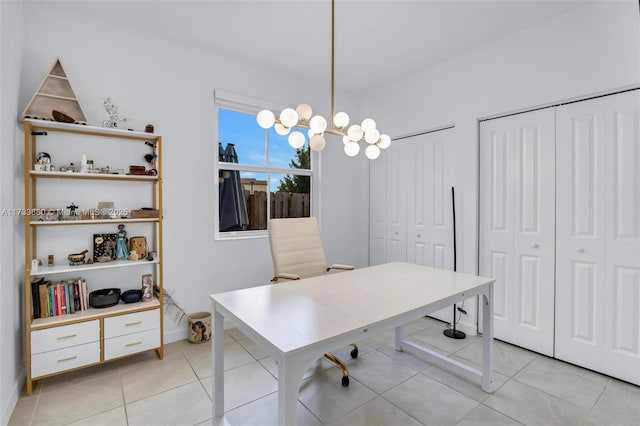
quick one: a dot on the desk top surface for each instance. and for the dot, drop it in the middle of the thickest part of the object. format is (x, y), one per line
(296, 314)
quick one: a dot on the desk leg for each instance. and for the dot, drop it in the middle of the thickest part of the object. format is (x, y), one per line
(289, 378)
(399, 333)
(487, 339)
(218, 364)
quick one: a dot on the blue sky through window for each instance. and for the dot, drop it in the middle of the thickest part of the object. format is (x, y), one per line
(243, 131)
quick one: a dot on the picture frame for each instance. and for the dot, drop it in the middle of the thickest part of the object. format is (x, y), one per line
(105, 209)
(147, 287)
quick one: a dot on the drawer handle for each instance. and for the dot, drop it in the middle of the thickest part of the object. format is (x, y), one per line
(133, 344)
(67, 337)
(133, 323)
(67, 359)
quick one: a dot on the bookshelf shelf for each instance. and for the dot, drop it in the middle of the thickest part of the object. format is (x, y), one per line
(61, 269)
(93, 313)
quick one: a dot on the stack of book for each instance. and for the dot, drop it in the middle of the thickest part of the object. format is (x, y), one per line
(61, 298)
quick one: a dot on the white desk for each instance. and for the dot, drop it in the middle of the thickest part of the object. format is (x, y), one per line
(297, 322)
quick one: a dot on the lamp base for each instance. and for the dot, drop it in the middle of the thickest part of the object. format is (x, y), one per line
(454, 334)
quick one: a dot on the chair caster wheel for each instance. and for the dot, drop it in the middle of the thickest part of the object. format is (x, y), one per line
(345, 381)
(354, 353)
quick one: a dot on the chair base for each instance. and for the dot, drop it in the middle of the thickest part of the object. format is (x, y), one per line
(341, 365)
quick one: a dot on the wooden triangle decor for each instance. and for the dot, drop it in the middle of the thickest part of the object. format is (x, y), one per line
(55, 94)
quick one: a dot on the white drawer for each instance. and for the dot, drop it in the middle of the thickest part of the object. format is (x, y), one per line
(51, 339)
(131, 343)
(64, 359)
(131, 323)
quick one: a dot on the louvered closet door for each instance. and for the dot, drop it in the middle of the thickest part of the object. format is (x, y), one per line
(429, 216)
(598, 238)
(517, 175)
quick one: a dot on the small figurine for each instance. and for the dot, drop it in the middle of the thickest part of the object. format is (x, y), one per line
(133, 255)
(73, 211)
(122, 251)
(112, 110)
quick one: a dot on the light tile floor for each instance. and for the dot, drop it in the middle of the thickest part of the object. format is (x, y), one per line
(387, 388)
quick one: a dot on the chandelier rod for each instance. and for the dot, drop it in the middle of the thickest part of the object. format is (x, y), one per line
(332, 60)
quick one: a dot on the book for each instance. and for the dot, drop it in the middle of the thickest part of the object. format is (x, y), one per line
(50, 300)
(84, 295)
(44, 298)
(63, 299)
(76, 295)
(35, 295)
(68, 288)
(56, 299)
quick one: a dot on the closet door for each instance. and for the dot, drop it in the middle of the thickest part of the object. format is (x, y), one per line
(378, 189)
(622, 268)
(429, 216)
(598, 239)
(388, 206)
(517, 175)
(396, 203)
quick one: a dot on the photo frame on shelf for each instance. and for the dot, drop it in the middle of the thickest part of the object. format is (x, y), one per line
(105, 209)
(104, 247)
(147, 287)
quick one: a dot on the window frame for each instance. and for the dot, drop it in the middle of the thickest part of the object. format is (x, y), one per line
(244, 104)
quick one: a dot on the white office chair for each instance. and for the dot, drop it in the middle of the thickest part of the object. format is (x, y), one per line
(297, 252)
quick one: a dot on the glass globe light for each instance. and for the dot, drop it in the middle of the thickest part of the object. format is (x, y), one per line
(372, 152)
(317, 143)
(281, 130)
(311, 133)
(368, 124)
(351, 149)
(304, 111)
(385, 142)
(372, 136)
(265, 119)
(341, 120)
(346, 140)
(318, 124)
(355, 132)
(288, 117)
(296, 139)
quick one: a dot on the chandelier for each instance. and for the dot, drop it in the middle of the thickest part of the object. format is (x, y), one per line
(290, 121)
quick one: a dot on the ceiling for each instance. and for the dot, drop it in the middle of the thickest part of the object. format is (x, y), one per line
(375, 41)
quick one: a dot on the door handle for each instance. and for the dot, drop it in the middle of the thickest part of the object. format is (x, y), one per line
(418, 236)
(580, 250)
(534, 245)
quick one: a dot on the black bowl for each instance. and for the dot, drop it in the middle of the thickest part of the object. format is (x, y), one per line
(104, 298)
(131, 296)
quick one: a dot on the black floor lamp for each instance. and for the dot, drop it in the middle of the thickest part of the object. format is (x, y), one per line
(452, 332)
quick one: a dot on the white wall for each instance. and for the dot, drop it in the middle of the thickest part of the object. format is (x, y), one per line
(170, 85)
(589, 49)
(11, 239)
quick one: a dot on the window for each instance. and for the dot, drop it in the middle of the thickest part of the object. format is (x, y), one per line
(260, 176)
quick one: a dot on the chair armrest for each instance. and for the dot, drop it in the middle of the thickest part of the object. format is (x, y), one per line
(340, 266)
(285, 276)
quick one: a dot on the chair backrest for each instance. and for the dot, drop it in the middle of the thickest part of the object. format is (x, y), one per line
(296, 247)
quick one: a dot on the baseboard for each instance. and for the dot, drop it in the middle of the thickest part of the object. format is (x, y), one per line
(7, 409)
(470, 328)
(175, 335)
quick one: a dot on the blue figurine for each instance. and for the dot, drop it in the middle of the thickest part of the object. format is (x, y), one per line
(122, 251)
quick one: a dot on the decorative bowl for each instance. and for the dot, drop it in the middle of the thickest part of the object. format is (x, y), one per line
(77, 258)
(131, 296)
(104, 298)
